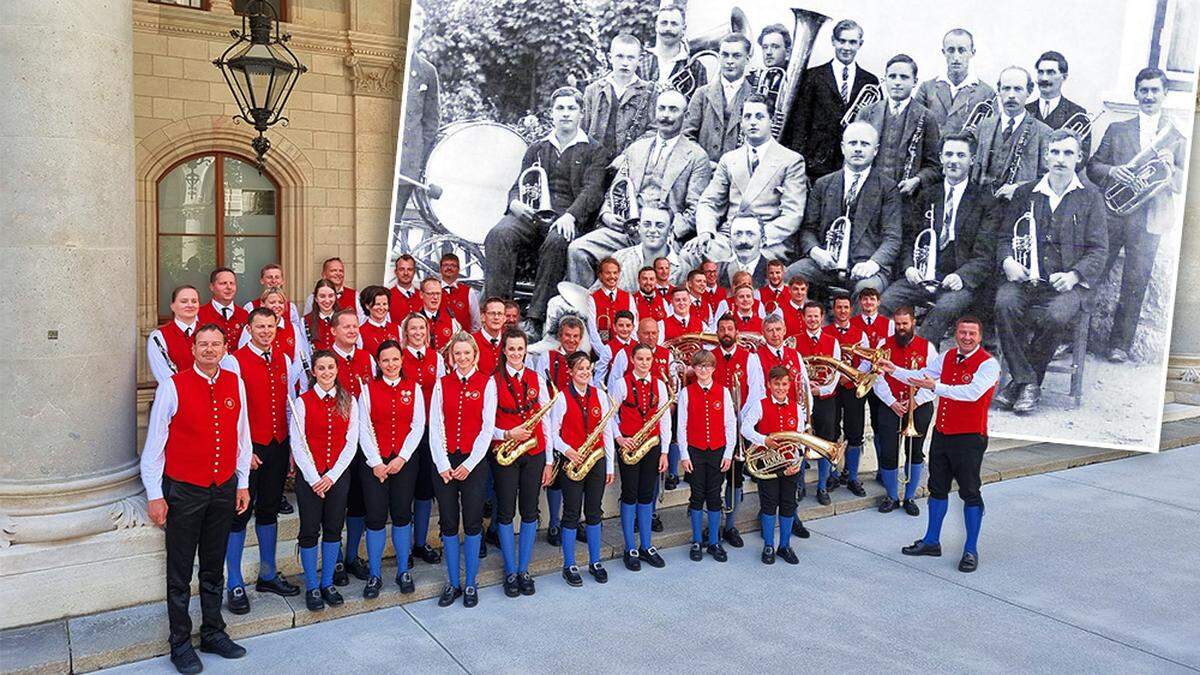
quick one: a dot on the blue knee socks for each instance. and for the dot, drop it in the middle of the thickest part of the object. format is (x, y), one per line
(402, 542)
(785, 530)
(267, 537)
(471, 545)
(568, 546)
(697, 518)
(645, 516)
(525, 544)
(973, 517)
(376, 541)
(628, 514)
(355, 526)
(889, 482)
(329, 558)
(507, 547)
(914, 481)
(450, 553)
(853, 457)
(937, 511)
(673, 460)
(768, 528)
(554, 503)
(822, 473)
(731, 517)
(420, 532)
(714, 527)
(593, 535)
(233, 559)
(308, 560)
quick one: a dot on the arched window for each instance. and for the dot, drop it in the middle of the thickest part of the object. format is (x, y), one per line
(214, 210)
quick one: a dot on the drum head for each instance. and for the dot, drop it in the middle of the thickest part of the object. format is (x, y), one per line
(475, 164)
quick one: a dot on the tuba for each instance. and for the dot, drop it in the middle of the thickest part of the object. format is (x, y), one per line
(533, 189)
(1025, 244)
(794, 447)
(837, 244)
(824, 371)
(980, 112)
(808, 23)
(1151, 176)
(647, 437)
(508, 451)
(590, 451)
(622, 200)
(925, 251)
(868, 95)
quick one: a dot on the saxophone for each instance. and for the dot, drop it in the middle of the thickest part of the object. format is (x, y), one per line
(647, 437)
(509, 451)
(591, 450)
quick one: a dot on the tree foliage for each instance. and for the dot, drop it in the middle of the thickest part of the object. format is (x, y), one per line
(635, 17)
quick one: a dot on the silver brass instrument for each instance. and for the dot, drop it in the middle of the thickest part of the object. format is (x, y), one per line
(1151, 174)
(868, 95)
(914, 149)
(925, 251)
(1013, 168)
(1081, 123)
(794, 447)
(804, 35)
(837, 244)
(533, 189)
(622, 201)
(706, 45)
(981, 111)
(1025, 244)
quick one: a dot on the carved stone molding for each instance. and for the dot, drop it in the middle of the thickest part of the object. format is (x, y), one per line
(37, 513)
(374, 76)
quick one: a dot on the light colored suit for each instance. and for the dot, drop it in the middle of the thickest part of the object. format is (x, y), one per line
(713, 122)
(992, 157)
(951, 113)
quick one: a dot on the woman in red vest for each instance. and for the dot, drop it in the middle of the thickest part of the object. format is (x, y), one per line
(391, 412)
(421, 364)
(318, 332)
(377, 326)
(289, 339)
(324, 435)
(462, 419)
(575, 416)
(169, 347)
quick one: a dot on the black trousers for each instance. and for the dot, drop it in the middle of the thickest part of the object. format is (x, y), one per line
(355, 506)
(957, 457)
(514, 239)
(426, 470)
(706, 479)
(586, 495)
(394, 496)
(266, 485)
(888, 433)
(461, 498)
(778, 495)
(322, 518)
(850, 413)
(948, 306)
(638, 480)
(1141, 248)
(198, 519)
(1022, 309)
(825, 418)
(518, 485)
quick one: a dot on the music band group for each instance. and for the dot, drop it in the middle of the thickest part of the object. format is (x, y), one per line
(697, 353)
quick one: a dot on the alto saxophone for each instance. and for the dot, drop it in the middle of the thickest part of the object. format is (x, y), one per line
(509, 451)
(647, 437)
(591, 450)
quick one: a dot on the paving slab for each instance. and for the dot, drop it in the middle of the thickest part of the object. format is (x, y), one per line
(41, 648)
(1175, 477)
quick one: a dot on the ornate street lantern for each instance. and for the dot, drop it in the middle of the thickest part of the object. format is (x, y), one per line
(261, 71)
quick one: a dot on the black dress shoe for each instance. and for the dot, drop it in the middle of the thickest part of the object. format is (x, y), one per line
(511, 588)
(768, 555)
(371, 590)
(717, 552)
(449, 595)
(358, 567)
(696, 552)
(405, 581)
(632, 559)
(525, 584)
(823, 497)
(1028, 401)
(482, 549)
(331, 596)
(919, 547)
(671, 482)
(801, 492)
(856, 488)
(1118, 356)
(969, 563)
(554, 535)
(788, 555)
(470, 596)
(313, 600)
(598, 573)
(340, 578)
(733, 537)
(279, 586)
(656, 523)
(571, 575)
(285, 506)
(887, 505)
(238, 601)
(799, 530)
(222, 646)
(911, 508)
(428, 553)
(652, 558)
(1007, 396)
(186, 660)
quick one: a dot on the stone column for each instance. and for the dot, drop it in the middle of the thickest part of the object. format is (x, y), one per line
(1185, 329)
(69, 464)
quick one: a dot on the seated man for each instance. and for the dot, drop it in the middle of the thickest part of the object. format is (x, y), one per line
(746, 234)
(574, 167)
(653, 232)
(870, 202)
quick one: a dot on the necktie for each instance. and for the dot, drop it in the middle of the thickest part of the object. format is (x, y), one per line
(655, 155)
(188, 332)
(1045, 109)
(845, 84)
(753, 164)
(960, 357)
(815, 338)
(947, 220)
(420, 356)
(1008, 129)
(853, 193)
(225, 313)
(267, 357)
(495, 343)
(895, 109)
(869, 320)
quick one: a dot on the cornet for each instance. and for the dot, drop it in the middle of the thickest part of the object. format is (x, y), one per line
(980, 112)
(622, 201)
(925, 250)
(533, 189)
(868, 95)
(1025, 244)
(837, 244)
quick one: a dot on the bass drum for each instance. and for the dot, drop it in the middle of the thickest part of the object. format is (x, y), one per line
(475, 164)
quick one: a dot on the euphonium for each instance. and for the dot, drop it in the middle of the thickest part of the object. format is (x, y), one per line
(1150, 177)
(925, 251)
(647, 437)
(706, 45)
(980, 112)
(824, 370)
(622, 201)
(837, 244)
(533, 188)
(795, 446)
(508, 451)
(868, 95)
(1025, 244)
(591, 450)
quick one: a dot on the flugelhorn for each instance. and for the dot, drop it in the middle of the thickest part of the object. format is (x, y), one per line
(533, 189)
(925, 251)
(825, 370)
(1152, 174)
(981, 111)
(622, 201)
(706, 45)
(647, 437)
(509, 451)
(837, 244)
(793, 448)
(868, 95)
(1025, 244)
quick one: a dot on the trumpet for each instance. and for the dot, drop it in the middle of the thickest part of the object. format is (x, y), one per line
(925, 251)
(590, 451)
(824, 370)
(837, 244)
(509, 451)
(1081, 123)
(872, 93)
(622, 200)
(533, 189)
(980, 112)
(1025, 244)
(1152, 175)
(793, 448)
(647, 437)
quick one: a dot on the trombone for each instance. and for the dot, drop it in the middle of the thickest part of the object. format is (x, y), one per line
(908, 431)
(739, 454)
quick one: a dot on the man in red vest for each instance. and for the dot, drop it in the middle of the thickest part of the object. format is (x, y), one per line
(816, 342)
(333, 270)
(222, 310)
(442, 324)
(739, 371)
(461, 300)
(195, 468)
(964, 380)
(488, 337)
(851, 410)
(683, 319)
(646, 300)
(405, 295)
(792, 308)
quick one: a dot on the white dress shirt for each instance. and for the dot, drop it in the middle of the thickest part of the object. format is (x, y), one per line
(969, 80)
(752, 414)
(837, 77)
(923, 396)
(156, 351)
(985, 377)
(559, 411)
(367, 439)
(1048, 105)
(437, 426)
(1043, 187)
(302, 455)
(1147, 129)
(731, 88)
(619, 393)
(681, 405)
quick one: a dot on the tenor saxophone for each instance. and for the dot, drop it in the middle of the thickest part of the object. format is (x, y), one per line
(509, 451)
(647, 437)
(591, 450)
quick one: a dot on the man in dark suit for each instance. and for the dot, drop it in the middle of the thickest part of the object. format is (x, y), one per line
(420, 116)
(964, 221)
(746, 234)
(1010, 134)
(826, 92)
(871, 202)
(909, 160)
(955, 94)
(1138, 232)
(1044, 293)
(574, 166)
(1052, 108)
(714, 115)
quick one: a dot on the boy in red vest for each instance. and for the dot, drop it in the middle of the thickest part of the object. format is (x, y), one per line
(792, 309)
(621, 342)
(604, 302)
(707, 426)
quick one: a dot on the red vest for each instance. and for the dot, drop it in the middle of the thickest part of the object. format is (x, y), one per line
(706, 417)
(557, 372)
(517, 401)
(202, 438)
(703, 309)
(727, 367)
(489, 355)
(266, 394)
(615, 347)
(673, 328)
(401, 305)
(823, 347)
(347, 299)
(793, 319)
(323, 339)
(441, 328)
(285, 341)
(877, 332)
(456, 299)
(852, 336)
(652, 307)
(178, 345)
(372, 336)
(391, 414)
(582, 416)
(353, 373)
(606, 309)
(963, 417)
(238, 319)
(324, 430)
(462, 410)
(714, 297)
(790, 360)
(772, 298)
(641, 401)
(662, 363)
(423, 372)
(777, 417)
(749, 324)
(913, 356)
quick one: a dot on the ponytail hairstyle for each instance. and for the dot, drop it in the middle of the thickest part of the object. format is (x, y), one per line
(341, 395)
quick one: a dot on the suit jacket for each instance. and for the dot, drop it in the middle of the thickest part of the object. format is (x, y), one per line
(928, 165)
(991, 159)
(686, 172)
(713, 122)
(420, 116)
(1079, 227)
(975, 230)
(758, 276)
(775, 194)
(815, 126)
(1120, 144)
(875, 230)
(634, 111)
(951, 113)
(1058, 117)
(648, 69)
(588, 162)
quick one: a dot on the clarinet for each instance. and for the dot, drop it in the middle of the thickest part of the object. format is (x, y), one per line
(163, 351)
(914, 147)
(1014, 162)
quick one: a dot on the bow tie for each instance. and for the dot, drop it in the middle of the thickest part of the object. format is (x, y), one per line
(464, 379)
(495, 342)
(841, 330)
(420, 356)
